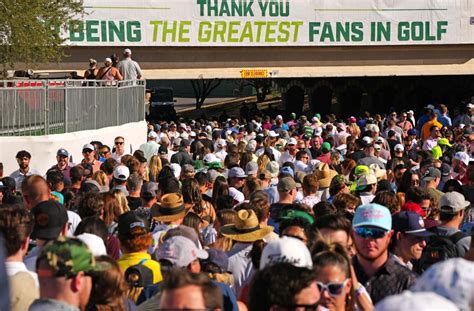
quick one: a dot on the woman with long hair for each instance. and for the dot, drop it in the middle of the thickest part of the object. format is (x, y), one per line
(336, 280)
(112, 211)
(410, 179)
(262, 162)
(154, 168)
(220, 188)
(122, 200)
(193, 200)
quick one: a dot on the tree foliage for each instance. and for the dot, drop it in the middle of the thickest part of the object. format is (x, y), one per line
(33, 31)
(203, 88)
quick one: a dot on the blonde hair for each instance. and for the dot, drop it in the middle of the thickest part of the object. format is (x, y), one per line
(101, 178)
(122, 200)
(262, 162)
(154, 166)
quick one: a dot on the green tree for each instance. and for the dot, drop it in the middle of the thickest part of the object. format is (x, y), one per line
(32, 31)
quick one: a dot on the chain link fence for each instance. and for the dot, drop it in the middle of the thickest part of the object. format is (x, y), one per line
(43, 107)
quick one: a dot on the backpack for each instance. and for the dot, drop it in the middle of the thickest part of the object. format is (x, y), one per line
(138, 277)
(439, 248)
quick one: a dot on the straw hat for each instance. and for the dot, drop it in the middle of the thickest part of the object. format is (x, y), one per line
(325, 175)
(246, 228)
(171, 208)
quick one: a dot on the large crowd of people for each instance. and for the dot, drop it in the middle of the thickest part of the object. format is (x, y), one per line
(253, 213)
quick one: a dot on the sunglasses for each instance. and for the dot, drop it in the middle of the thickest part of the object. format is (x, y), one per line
(333, 288)
(86, 151)
(119, 142)
(373, 233)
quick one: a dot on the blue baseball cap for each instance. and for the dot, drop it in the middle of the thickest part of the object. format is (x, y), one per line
(410, 223)
(372, 215)
(287, 170)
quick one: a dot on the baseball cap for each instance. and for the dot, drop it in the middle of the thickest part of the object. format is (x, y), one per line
(367, 140)
(361, 170)
(107, 60)
(94, 243)
(451, 279)
(289, 214)
(128, 221)
(180, 251)
(326, 146)
(431, 173)
(292, 141)
(62, 153)
(219, 258)
(67, 257)
(273, 168)
(273, 134)
(287, 170)
(121, 172)
(462, 156)
(420, 301)
(153, 135)
(286, 184)
(453, 202)
(209, 158)
(399, 147)
(88, 146)
(429, 107)
(50, 218)
(149, 190)
(412, 132)
(185, 231)
(372, 215)
(251, 168)
(286, 249)
(365, 180)
(221, 142)
(444, 142)
(127, 51)
(409, 223)
(236, 172)
(163, 150)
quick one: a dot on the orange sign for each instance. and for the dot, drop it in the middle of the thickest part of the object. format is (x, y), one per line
(254, 74)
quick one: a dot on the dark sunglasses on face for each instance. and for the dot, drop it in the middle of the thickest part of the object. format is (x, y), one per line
(333, 288)
(119, 142)
(86, 151)
(374, 233)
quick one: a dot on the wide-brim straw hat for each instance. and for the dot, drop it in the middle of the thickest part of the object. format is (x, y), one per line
(171, 208)
(325, 175)
(246, 228)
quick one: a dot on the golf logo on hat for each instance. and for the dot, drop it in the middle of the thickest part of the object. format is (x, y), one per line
(42, 219)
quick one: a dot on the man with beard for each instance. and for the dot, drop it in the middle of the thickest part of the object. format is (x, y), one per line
(23, 159)
(375, 269)
(63, 165)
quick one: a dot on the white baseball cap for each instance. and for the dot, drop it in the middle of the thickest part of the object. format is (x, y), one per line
(127, 51)
(273, 134)
(94, 243)
(463, 157)
(121, 172)
(221, 142)
(399, 147)
(292, 141)
(176, 168)
(152, 134)
(286, 249)
(180, 251)
(209, 158)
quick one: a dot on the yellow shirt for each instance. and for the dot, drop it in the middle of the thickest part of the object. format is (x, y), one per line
(131, 259)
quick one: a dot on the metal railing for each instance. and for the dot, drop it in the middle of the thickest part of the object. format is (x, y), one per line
(43, 107)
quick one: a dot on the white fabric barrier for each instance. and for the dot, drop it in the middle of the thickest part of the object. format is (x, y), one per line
(43, 148)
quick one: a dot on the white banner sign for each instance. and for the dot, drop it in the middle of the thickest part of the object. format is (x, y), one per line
(273, 23)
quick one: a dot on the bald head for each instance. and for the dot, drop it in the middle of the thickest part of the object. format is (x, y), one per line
(34, 189)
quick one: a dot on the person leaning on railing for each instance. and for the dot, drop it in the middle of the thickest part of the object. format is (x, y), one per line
(108, 72)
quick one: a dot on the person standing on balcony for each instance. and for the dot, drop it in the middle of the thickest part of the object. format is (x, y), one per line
(129, 69)
(108, 72)
(91, 73)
